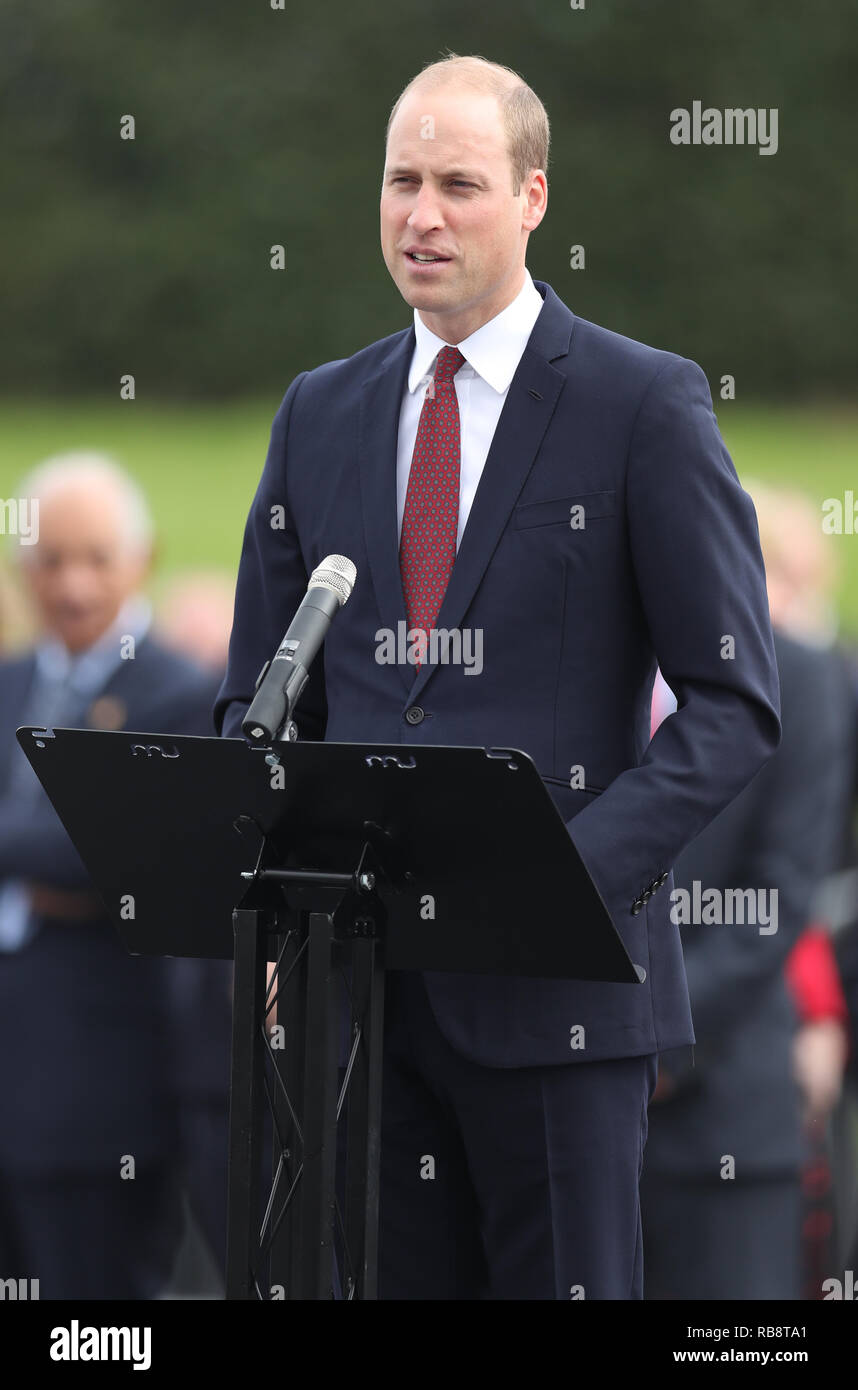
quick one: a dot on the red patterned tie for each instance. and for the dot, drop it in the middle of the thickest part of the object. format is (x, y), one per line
(430, 523)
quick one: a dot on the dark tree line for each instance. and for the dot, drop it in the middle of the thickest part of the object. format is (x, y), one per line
(257, 127)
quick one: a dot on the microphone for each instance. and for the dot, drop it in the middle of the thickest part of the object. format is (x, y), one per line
(282, 679)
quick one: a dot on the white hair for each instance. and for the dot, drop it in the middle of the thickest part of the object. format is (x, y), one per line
(89, 466)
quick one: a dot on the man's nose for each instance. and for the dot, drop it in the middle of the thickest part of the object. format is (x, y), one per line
(426, 214)
(76, 582)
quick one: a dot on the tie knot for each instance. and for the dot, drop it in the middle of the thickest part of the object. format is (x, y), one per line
(447, 363)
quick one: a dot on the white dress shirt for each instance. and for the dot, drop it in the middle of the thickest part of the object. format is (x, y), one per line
(491, 355)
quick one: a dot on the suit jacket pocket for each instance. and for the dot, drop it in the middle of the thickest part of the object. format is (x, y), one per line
(558, 510)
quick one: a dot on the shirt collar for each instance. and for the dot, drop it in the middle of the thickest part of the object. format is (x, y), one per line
(87, 671)
(493, 351)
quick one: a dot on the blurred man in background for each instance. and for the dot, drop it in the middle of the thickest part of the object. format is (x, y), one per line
(88, 1192)
(721, 1190)
(802, 568)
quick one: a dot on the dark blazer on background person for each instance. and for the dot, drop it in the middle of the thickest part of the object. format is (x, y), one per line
(738, 1095)
(712, 1231)
(85, 1055)
(574, 622)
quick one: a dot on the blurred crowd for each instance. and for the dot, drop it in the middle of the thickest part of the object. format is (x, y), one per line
(750, 1182)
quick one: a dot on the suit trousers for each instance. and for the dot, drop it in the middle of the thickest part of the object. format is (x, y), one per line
(506, 1183)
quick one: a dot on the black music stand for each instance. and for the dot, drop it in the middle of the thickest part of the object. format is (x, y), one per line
(335, 862)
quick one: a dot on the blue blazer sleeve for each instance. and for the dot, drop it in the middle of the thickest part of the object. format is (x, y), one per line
(696, 556)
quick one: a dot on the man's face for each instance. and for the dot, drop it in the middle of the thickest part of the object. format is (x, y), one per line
(448, 191)
(81, 570)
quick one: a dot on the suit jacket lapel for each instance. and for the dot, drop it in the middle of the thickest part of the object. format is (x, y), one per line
(378, 432)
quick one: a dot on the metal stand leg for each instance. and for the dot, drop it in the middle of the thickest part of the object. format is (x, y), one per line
(320, 1113)
(245, 1110)
(290, 1252)
(287, 1105)
(364, 1120)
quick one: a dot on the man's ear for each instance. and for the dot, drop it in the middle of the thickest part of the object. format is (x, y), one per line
(536, 200)
(146, 565)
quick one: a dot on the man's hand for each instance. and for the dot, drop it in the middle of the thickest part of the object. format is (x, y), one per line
(819, 1058)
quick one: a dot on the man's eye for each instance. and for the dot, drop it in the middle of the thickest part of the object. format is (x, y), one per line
(454, 183)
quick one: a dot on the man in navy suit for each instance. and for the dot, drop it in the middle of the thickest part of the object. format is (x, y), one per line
(561, 496)
(88, 1139)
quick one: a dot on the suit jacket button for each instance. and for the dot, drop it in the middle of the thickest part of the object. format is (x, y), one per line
(646, 895)
(415, 715)
(665, 876)
(636, 907)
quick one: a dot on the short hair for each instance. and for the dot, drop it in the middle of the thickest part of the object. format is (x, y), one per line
(525, 118)
(82, 465)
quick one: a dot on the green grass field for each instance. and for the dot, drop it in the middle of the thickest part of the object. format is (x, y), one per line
(200, 464)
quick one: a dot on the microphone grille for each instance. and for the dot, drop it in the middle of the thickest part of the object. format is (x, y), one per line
(336, 573)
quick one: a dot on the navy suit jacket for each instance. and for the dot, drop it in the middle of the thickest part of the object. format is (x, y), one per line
(86, 1031)
(574, 621)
